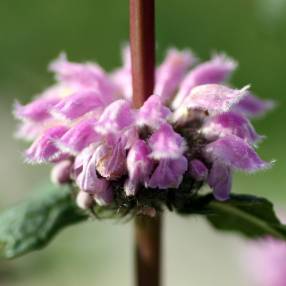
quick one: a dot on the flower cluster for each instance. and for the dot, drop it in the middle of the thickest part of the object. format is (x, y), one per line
(194, 127)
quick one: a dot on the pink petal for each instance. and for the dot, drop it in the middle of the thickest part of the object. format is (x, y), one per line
(121, 77)
(83, 157)
(78, 104)
(166, 143)
(214, 98)
(220, 180)
(61, 172)
(123, 80)
(153, 113)
(198, 170)
(38, 110)
(171, 72)
(116, 117)
(252, 106)
(88, 180)
(217, 70)
(230, 123)
(29, 131)
(169, 173)
(78, 137)
(44, 148)
(111, 160)
(128, 137)
(87, 75)
(234, 152)
(139, 166)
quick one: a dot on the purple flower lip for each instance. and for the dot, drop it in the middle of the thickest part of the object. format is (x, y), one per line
(166, 143)
(217, 70)
(44, 148)
(214, 98)
(252, 106)
(194, 127)
(171, 72)
(153, 113)
(235, 153)
(139, 166)
(198, 170)
(230, 123)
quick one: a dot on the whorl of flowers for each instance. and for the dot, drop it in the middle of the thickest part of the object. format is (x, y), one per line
(194, 129)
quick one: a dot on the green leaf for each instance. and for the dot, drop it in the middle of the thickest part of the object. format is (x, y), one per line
(249, 215)
(32, 224)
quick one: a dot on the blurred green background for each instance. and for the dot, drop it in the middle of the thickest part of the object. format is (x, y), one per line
(33, 32)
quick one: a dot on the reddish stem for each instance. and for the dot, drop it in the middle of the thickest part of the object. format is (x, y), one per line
(142, 35)
(148, 250)
(147, 230)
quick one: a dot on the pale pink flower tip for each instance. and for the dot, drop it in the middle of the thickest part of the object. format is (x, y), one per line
(166, 143)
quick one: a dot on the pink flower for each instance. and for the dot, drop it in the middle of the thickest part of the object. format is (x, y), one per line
(235, 153)
(61, 172)
(193, 125)
(166, 143)
(252, 106)
(230, 123)
(220, 180)
(198, 170)
(116, 117)
(169, 173)
(214, 98)
(83, 76)
(264, 261)
(153, 113)
(171, 72)
(44, 148)
(88, 180)
(36, 111)
(78, 137)
(121, 77)
(139, 166)
(217, 70)
(110, 160)
(78, 104)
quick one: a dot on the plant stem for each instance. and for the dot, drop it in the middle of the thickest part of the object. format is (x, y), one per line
(148, 250)
(142, 35)
(142, 41)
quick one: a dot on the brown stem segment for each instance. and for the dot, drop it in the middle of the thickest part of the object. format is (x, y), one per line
(147, 230)
(142, 35)
(148, 250)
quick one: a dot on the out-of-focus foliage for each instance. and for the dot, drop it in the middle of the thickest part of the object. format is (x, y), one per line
(32, 224)
(251, 216)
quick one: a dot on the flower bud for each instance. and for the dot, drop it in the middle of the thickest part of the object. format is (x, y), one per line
(61, 172)
(84, 200)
